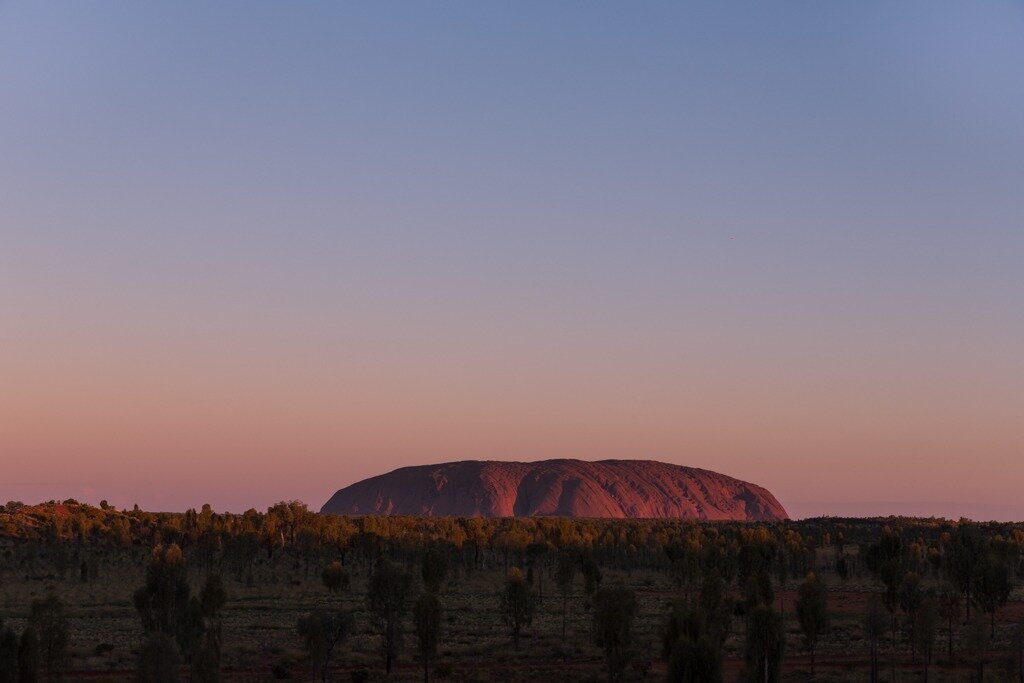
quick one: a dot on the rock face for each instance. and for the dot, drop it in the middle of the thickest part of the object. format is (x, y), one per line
(567, 488)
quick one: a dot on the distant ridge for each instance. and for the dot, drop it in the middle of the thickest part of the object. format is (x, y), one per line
(566, 488)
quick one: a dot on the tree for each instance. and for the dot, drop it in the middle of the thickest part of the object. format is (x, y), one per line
(991, 585)
(8, 655)
(206, 659)
(910, 597)
(875, 625)
(321, 633)
(695, 661)
(335, 577)
(434, 568)
(811, 612)
(426, 616)
(159, 660)
(565, 572)
(162, 601)
(949, 607)
(387, 599)
(764, 645)
(48, 619)
(843, 568)
(694, 655)
(884, 558)
(517, 603)
(963, 553)
(716, 607)
(615, 607)
(28, 656)
(925, 623)
(591, 575)
(977, 639)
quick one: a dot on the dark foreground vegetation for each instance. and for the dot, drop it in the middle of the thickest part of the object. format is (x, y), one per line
(107, 594)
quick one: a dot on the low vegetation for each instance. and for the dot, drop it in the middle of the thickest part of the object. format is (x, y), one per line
(123, 595)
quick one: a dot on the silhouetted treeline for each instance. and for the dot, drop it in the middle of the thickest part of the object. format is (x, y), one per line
(936, 585)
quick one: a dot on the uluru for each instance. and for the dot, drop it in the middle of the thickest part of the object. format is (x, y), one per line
(566, 488)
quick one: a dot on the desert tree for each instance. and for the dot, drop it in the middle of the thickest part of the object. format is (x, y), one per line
(694, 655)
(335, 577)
(517, 603)
(207, 654)
(8, 655)
(591, 575)
(926, 619)
(842, 567)
(716, 605)
(565, 573)
(434, 568)
(991, 585)
(963, 554)
(977, 640)
(949, 608)
(163, 600)
(1018, 645)
(695, 661)
(387, 600)
(535, 553)
(757, 590)
(811, 612)
(426, 617)
(910, 597)
(159, 660)
(764, 646)
(615, 608)
(28, 656)
(321, 632)
(48, 618)
(885, 560)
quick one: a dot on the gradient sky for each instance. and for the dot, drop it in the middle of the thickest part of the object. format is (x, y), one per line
(257, 251)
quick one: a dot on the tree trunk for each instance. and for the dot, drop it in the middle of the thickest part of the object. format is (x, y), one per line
(950, 632)
(565, 611)
(892, 662)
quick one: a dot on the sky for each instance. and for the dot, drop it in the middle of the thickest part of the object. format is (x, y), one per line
(255, 251)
